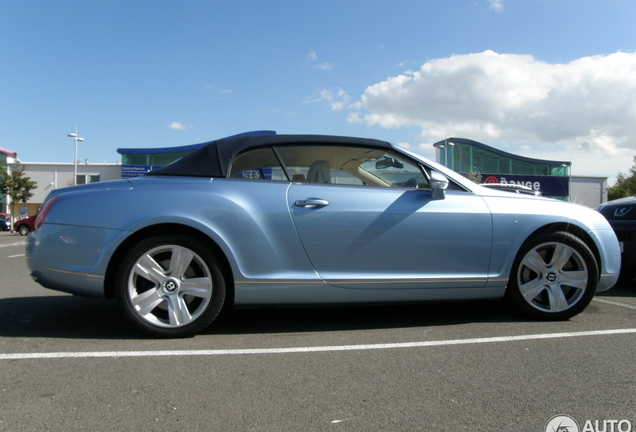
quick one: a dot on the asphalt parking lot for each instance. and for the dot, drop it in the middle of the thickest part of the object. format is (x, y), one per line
(68, 363)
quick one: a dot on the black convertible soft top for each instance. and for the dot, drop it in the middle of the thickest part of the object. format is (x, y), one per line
(214, 158)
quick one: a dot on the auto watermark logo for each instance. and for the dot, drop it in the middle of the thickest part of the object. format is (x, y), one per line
(562, 423)
(620, 212)
(565, 423)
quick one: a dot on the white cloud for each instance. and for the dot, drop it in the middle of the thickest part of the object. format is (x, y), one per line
(177, 126)
(583, 108)
(337, 98)
(216, 90)
(312, 58)
(496, 5)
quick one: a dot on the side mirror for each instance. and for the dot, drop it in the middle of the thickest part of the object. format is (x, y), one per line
(438, 184)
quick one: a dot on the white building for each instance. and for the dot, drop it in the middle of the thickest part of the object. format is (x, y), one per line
(49, 176)
(588, 191)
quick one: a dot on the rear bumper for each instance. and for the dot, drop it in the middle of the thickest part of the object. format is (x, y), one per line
(71, 259)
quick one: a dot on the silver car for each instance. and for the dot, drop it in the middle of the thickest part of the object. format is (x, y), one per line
(309, 219)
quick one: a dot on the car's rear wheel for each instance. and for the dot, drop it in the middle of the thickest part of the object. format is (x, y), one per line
(23, 230)
(554, 277)
(170, 286)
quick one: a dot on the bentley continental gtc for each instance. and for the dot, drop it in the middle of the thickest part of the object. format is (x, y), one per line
(268, 219)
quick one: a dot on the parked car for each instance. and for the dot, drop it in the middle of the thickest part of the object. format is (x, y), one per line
(621, 214)
(512, 188)
(26, 225)
(310, 219)
(5, 222)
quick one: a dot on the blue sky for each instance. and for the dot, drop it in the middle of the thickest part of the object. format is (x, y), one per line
(552, 79)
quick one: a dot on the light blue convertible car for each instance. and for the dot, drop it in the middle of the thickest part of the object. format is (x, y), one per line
(309, 219)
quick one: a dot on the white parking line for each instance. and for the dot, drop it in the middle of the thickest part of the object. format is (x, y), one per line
(12, 244)
(15, 256)
(610, 302)
(105, 354)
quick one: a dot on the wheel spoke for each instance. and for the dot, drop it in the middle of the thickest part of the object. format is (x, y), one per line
(180, 262)
(575, 279)
(561, 256)
(556, 299)
(178, 312)
(147, 301)
(150, 269)
(535, 262)
(532, 289)
(197, 287)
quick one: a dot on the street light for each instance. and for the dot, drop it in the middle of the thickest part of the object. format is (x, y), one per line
(444, 158)
(450, 159)
(76, 138)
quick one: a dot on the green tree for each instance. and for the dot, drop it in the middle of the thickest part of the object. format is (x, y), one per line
(474, 176)
(625, 184)
(16, 185)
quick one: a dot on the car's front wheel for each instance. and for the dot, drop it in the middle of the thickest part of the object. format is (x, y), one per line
(554, 277)
(170, 286)
(23, 230)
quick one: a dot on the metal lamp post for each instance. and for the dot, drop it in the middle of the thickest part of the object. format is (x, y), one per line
(76, 138)
(450, 159)
(444, 158)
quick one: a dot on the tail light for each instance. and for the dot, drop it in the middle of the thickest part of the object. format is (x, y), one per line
(39, 220)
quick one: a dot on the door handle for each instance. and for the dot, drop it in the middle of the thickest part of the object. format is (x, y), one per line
(311, 203)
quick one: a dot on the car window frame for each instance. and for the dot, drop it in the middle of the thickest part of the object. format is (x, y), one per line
(424, 169)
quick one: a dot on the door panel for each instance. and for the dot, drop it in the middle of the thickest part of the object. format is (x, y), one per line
(370, 237)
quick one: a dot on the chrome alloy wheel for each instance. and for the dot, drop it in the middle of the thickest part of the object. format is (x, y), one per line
(170, 286)
(552, 277)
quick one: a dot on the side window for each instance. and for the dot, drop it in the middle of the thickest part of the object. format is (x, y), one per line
(344, 165)
(260, 164)
(397, 172)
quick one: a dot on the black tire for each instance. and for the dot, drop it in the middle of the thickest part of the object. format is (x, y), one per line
(23, 230)
(554, 277)
(170, 286)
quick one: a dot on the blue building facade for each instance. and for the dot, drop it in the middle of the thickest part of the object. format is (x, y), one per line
(551, 178)
(138, 161)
